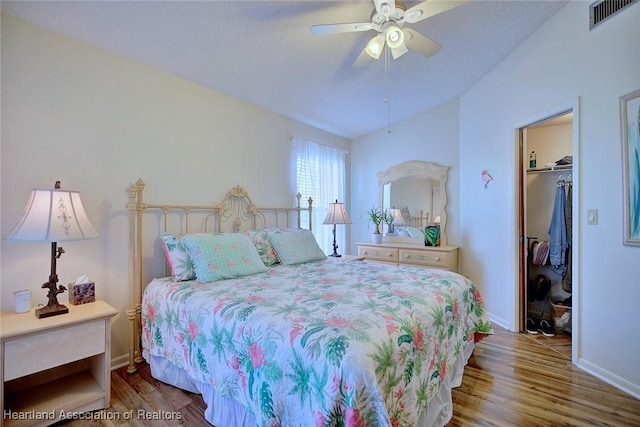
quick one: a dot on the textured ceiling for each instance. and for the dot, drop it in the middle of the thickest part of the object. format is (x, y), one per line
(263, 51)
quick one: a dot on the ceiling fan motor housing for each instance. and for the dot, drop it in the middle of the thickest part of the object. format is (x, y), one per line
(380, 18)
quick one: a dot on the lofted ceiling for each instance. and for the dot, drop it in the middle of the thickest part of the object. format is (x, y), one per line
(263, 52)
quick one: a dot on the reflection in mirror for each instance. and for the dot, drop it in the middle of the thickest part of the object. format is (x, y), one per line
(417, 199)
(418, 190)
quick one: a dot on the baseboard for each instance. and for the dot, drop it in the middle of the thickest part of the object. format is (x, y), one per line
(119, 361)
(500, 322)
(610, 378)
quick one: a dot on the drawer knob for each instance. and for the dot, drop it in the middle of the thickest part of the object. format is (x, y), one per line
(437, 259)
(406, 256)
(390, 255)
(365, 252)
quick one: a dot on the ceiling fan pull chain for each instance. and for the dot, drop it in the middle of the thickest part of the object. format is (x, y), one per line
(387, 84)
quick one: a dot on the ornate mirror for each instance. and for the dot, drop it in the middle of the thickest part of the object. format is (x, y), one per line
(417, 191)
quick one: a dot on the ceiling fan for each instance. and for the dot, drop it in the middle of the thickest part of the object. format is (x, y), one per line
(388, 19)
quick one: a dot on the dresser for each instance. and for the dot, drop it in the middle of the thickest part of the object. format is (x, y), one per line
(442, 257)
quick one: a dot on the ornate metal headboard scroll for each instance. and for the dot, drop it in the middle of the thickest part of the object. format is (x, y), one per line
(420, 221)
(235, 212)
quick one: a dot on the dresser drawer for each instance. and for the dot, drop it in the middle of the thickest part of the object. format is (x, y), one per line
(426, 258)
(47, 349)
(375, 253)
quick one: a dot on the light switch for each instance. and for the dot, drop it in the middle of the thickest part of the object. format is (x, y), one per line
(592, 216)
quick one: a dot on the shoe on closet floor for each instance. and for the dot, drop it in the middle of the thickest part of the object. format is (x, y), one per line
(532, 326)
(545, 328)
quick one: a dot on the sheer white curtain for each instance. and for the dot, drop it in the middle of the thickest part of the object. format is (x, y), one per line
(319, 173)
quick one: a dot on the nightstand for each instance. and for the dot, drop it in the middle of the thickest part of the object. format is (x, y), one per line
(55, 366)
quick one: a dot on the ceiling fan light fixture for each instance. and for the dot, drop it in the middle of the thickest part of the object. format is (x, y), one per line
(375, 46)
(394, 37)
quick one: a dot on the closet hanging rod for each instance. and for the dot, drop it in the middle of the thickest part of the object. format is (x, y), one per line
(562, 182)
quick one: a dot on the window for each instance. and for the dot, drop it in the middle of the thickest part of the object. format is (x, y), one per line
(319, 173)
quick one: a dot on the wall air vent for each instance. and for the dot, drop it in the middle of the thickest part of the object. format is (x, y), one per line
(602, 10)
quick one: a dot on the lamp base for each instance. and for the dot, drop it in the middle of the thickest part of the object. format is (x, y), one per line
(53, 307)
(335, 245)
(51, 310)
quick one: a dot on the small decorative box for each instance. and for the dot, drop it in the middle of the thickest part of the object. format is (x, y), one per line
(82, 293)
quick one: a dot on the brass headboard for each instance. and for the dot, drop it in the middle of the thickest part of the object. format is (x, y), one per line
(235, 212)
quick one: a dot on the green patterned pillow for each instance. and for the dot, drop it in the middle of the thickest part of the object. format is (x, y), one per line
(178, 260)
(222, 256)
(260, 239)
(296, 247)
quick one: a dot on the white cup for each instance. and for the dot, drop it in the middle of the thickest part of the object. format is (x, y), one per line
(23, 301)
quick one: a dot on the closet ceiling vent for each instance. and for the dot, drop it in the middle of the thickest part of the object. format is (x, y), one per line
(602, 10)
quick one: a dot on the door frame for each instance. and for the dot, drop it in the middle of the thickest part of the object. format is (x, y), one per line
(520, 305)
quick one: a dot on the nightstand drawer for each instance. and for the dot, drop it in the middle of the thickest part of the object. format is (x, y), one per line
(426, 258)
(378, 253)
(48, 349)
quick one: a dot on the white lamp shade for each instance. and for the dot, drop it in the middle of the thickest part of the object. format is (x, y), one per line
(53, 215)
(375, 46)
(397, 216)
(337, 214)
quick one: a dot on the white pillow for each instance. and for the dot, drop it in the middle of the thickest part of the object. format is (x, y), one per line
(407, 231)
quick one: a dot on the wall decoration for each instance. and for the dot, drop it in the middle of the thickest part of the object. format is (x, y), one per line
(486, 178)
(629, 124)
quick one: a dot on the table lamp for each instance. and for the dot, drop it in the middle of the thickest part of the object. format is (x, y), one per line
(336, 214)
(53, 215)
(396, 214)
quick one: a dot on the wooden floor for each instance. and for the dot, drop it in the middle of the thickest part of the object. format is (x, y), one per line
(511, 380)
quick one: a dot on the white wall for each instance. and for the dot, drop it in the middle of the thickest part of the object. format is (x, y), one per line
(98, 122)
(431, 136)
(561, 62)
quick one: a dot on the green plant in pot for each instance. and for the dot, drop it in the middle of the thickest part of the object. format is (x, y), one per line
(388, 218)
(375, 216)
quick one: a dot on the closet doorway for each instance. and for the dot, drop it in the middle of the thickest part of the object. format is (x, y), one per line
(547, 149)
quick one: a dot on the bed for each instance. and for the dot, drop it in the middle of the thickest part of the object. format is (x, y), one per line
(272, 332)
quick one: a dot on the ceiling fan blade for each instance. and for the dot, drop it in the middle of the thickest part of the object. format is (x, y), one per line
(429, 8)
(341, 28)
(397, 52)
(363, 59)
(420, 43)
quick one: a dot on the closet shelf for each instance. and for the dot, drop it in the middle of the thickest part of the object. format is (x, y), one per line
(551, 169)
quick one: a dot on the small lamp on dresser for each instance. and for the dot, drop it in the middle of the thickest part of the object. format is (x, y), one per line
(336, 214)
(53, 215)
(396, 215)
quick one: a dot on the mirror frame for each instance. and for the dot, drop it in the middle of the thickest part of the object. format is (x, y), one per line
(418, 169)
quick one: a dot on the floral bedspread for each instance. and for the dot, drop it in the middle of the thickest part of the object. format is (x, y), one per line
(327, 343)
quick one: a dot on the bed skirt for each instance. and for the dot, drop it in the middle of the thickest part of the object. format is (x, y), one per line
(225, 411)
